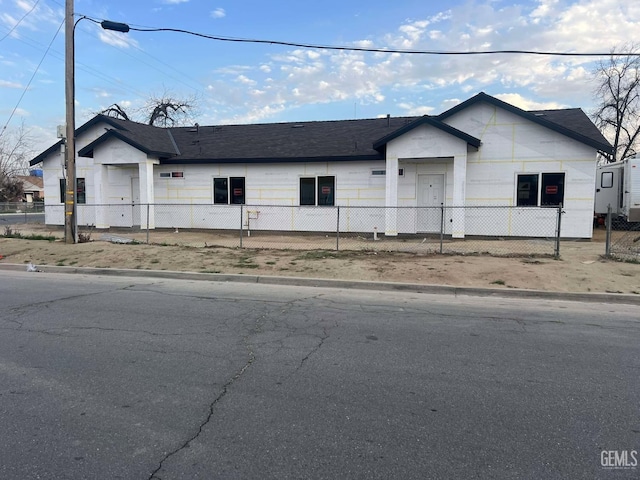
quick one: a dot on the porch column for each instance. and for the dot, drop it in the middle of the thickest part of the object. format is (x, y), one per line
(391, 198)
(147, 195)
(101, 195)
(459, 195)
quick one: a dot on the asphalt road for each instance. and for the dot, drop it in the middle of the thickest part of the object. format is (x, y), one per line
(153, 378)
(20, 218)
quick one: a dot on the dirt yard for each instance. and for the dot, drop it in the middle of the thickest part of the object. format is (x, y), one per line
(581, 267)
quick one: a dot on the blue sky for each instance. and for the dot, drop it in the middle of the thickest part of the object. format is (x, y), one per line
(242, 83)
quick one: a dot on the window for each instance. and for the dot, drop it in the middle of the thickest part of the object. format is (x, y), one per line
(307, 191)
(544, 189)
(527, 190)
(552, 189)
(165, 175)
(177, 174)
(384, 172)
(606, 180)
(317, 190)
(81, 191)
(223, 195)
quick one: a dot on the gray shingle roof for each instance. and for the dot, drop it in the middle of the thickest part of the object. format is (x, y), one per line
(283, 141)
(363, 139)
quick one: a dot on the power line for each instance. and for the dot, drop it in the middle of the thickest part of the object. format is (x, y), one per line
(31, 79)
(138, 59)
(20, 21)
(374, 49)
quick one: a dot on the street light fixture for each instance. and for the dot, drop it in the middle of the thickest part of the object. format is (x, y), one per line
(70, 211)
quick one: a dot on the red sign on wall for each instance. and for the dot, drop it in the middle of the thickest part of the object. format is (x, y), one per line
(551, 189)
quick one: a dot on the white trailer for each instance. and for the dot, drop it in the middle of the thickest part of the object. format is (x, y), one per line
(618, 185)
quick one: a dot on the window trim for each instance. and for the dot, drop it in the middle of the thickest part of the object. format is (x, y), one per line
(231, 196)
(609, 176)
(317, 190)
(63, 190)
(539, 187)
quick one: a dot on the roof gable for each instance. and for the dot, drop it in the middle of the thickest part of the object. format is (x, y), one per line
(126, 137)
(426, 120)
(582, 129)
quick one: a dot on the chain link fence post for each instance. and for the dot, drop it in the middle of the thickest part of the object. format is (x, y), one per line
(441, 226)
(337, 228)
(556, 253)
(607, 241)
(241, 223)
(148, 211)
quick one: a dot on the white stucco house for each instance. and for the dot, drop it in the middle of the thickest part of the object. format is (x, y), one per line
(481, 152)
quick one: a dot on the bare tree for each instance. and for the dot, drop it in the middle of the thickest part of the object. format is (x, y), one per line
(115, 111)
(15, 152)
(165, 110)
(618, 101)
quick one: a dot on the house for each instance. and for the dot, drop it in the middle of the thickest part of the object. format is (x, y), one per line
(481, 152)
(33, 187)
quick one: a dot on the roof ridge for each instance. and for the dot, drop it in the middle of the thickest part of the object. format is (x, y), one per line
(173, 141)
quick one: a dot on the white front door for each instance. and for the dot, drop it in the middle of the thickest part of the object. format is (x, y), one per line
(430, 199)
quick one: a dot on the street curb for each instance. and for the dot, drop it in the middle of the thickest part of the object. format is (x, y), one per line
(331, 283)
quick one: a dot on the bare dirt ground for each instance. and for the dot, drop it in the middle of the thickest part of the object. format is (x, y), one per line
(581, 267)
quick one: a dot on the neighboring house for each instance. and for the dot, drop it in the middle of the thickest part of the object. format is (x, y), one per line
(33, 188)
(481, 152)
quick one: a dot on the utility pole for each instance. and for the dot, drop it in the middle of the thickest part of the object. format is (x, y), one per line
(70, 223)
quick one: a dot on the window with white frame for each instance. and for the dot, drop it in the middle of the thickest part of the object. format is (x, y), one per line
(317, 190)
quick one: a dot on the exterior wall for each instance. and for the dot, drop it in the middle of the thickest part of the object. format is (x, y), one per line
(512, 145)
(269, 186)
(53, 171)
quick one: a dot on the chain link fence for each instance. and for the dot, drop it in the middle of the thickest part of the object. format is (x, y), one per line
(19, 213)
(623, 239)
(467, 230)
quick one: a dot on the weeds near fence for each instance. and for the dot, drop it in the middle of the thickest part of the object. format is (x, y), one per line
(10, 233)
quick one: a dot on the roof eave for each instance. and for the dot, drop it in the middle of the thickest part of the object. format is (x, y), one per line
(434, 122)
(529, 116)
(339, 158)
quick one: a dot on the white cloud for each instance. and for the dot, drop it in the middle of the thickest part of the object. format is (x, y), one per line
(116, 39)
(305, 77)
(527, 104)
(174, 2)
(415, 110)
(245, 80)
(218, 13)
(7, 84)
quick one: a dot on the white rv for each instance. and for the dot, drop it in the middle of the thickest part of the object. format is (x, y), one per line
(618, 185)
